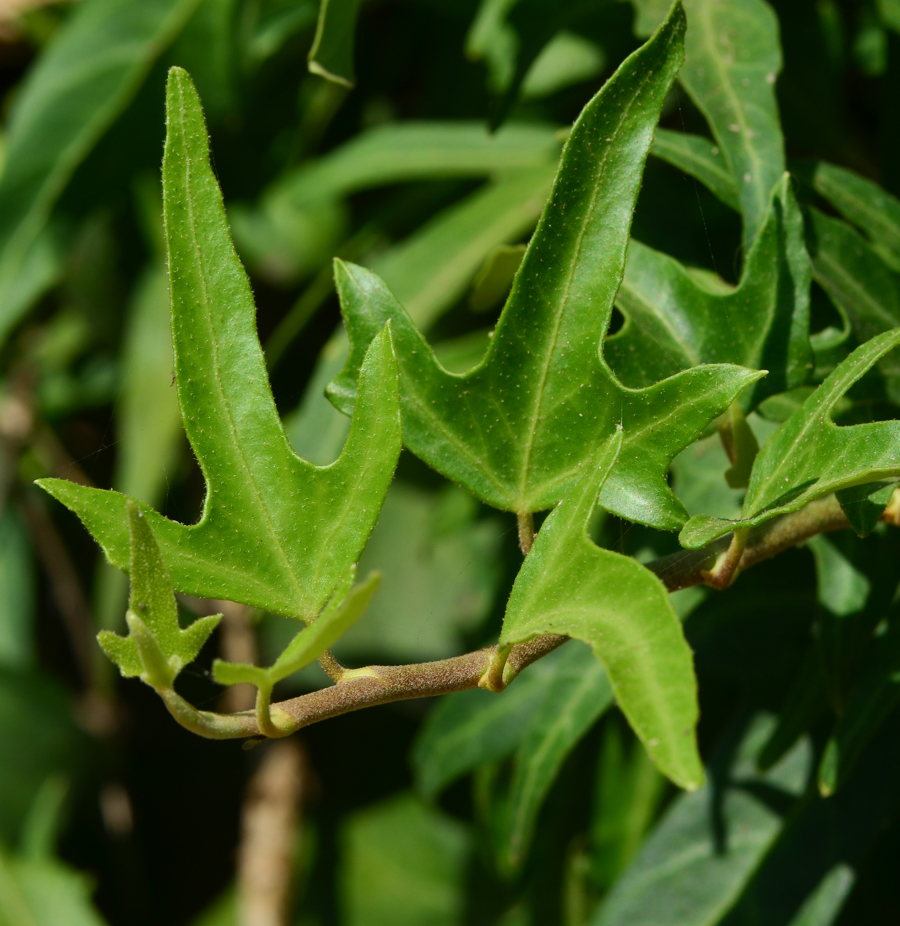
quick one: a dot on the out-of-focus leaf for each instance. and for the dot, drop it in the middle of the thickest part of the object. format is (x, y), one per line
(79, 85)
(475, 727)
(492, 283)
(810, 456)
(261, 539)
(822, 907)
(865, 204)
(152, 611)
(674, 323)
(859, 283)
(569, 585)
(700, 158)
(842, 588)
(331, 55)
(698, 479)
(17, 631)
(705, 849)
(876, 694)
(438, 583)
(39, 737)
(567, 59)
(403, 864)
(579, 693)
(44, 893)
(518, 428)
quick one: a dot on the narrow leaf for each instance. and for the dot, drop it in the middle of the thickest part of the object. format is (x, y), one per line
(517, 429)
(611, 602)
(810, 456)
(331, 55)
(700, 158)
(262, 538)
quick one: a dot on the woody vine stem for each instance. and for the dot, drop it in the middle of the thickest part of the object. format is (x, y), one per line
(716, 565)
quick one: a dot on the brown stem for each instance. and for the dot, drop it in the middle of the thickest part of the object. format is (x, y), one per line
(361, 688)
(525, 522)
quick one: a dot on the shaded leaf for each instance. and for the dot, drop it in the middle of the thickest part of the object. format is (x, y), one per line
(810, 456)
(331, 55)
(492, 283)
(674, 322)
(700, 158)
(865, 504)
(517, 429)
(568, 585)
(77, 88)
(152, 610)
(261, 539)
(17, 594)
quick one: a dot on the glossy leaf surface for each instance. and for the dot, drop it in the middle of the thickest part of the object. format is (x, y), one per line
(516, 429)
(79, 86)
(569, 585)
(810, 456)
(261, 539)
(673, 322)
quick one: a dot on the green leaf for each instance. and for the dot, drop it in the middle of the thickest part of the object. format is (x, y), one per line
(810, 456)
(864, 505)
(568, 585)
(865, 204)
(698, 859)
(674, 322)
(403, 864)
(863, 288)
(517, 429)
(473, 728)
(492, 283)
(876, 694)
(17, 594)
(262, 538)
(580, 692)
(331, 55)
(700, 158)
(79, 85)
(157, 649)
(44, 893)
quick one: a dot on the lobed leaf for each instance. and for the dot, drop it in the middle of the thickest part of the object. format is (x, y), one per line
(570, 586)
(810, 456)
(674, 322)
(157, 649)
(262, 538)
(517, 429)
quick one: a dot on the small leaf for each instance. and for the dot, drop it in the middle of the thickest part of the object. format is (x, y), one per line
(700, 158)
(578, 695)
(331, 55)
(864, 505)
(741, 445)
(517, 429)
(157, 648)
(568, 585)
(262, 538)
(673, 322)
(492, 283)
(76, 89)
(810, 456)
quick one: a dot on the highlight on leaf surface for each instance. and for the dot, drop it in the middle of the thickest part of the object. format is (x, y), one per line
(810, 456)
(568, 585)
(157, 649)
(276, 531)
(517, 429)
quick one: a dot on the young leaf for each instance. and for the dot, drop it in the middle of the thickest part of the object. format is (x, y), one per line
(517, 429)
(673, 322)
(810, 456)
(153, 616)
(276, 532)
(331, 55)
(865, 504)
(700, 158)
(77, 88)
(569, 585)
(578, 695)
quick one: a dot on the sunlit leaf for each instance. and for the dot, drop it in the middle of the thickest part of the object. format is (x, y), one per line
(517, 429)
(262, 538)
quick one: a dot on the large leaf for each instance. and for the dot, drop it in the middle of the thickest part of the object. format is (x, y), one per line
(262, 538)
(674, 322)
(580, 692)
(697, 861)
(78, 87)
(732, 58)
(810, 456)
(569, 585)
(517, 429)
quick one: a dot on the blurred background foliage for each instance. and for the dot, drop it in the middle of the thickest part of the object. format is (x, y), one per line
(535, 807)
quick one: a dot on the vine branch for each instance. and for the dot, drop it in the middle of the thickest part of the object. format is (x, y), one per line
(373, 685)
